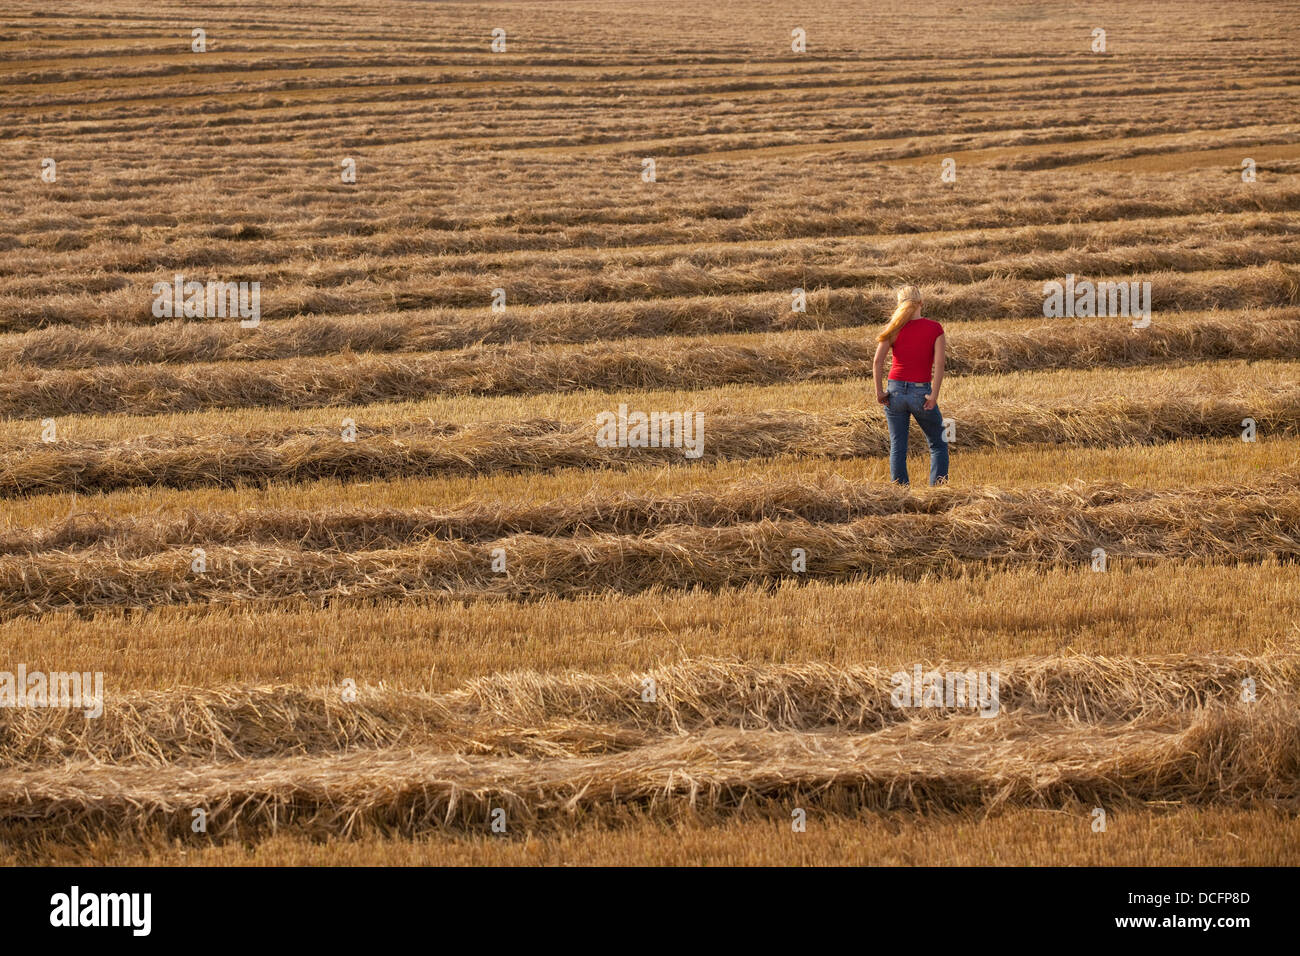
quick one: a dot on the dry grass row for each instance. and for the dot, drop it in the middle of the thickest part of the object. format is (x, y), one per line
(722, 90)
(93, 291)
(417, 285)
(1180, 463)
(287, 271)
(427, 448)
(666, 114)
(531, 713)
(1247, 755)
(280, 235)
(538, 413)
(310, 243)
(980, 536)
(335, 251)
(998, 250)
(636, 364)
(825, 500)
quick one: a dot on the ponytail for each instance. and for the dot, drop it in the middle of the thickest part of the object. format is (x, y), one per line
(909, 307)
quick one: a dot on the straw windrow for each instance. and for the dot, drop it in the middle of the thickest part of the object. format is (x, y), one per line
(724, 735)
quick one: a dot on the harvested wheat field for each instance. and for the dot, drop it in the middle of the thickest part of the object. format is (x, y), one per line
(310, 320)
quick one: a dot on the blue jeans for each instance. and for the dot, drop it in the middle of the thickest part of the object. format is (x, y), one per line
(908, 399)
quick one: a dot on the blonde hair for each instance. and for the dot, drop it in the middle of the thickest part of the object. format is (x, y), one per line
(909, 307)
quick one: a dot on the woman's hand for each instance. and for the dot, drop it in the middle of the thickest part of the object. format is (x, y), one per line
(878, 371)
(940, 357)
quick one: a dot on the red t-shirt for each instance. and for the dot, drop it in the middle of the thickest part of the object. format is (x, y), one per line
(914, 350)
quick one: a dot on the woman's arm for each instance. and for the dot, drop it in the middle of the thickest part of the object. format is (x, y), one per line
(878, 372)
(940, 350)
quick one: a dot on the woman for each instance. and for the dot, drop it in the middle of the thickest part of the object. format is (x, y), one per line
(914, 379)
